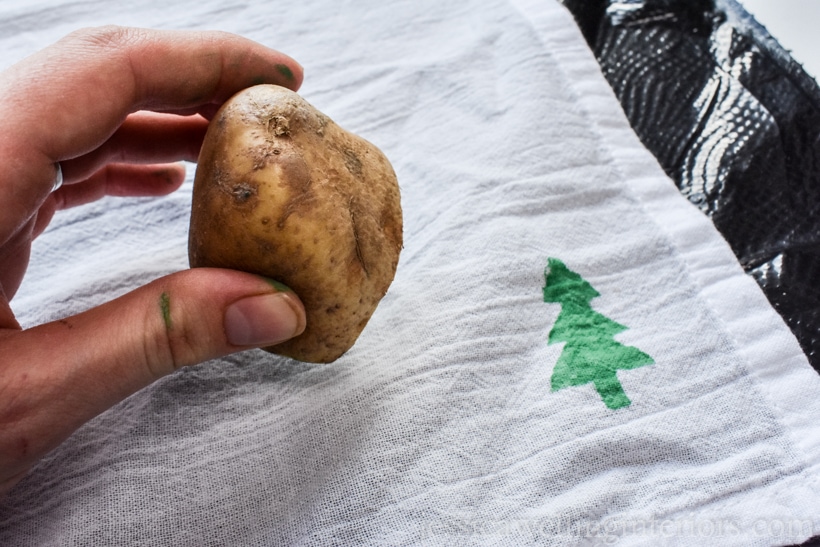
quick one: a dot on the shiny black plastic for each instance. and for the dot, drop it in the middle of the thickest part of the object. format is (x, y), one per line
(735, 122)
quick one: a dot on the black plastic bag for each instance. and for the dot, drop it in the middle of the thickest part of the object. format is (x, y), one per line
(735, 122)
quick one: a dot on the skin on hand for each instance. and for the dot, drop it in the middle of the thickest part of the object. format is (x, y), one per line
(122, 104)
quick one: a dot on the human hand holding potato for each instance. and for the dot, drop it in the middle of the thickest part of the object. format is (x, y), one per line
(95, 87)
(283, 191)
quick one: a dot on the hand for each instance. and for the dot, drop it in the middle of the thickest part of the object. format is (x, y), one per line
(114, 106)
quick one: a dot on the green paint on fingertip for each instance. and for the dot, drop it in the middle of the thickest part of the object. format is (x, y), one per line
(279, 286)
(285, 71)
(165, 308)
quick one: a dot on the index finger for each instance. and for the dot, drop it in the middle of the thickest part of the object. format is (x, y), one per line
(88, 82)
(67, 99)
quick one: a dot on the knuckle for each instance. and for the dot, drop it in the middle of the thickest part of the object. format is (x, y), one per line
(172, 340)
(19, 392)
(106, 36)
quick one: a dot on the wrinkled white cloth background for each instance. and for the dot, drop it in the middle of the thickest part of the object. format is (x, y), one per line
(439, 426)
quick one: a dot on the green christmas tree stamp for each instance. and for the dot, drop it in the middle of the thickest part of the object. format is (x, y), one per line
(591, 354)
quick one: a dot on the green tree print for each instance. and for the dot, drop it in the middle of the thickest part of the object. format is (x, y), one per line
(591, 354)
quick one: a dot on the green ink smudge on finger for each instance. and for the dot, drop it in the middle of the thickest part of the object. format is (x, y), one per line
(165, 307)
(285, 71)
(278, 285)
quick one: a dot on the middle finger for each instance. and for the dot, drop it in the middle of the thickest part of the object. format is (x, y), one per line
(144, 137)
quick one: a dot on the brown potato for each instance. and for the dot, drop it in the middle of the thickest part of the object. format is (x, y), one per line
(282, 191)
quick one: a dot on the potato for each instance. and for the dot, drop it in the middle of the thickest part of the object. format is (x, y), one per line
(284, 192)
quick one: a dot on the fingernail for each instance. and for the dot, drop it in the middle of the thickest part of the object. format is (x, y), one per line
(262, 320)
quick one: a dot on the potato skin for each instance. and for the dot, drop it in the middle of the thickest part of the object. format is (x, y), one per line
(284, 192)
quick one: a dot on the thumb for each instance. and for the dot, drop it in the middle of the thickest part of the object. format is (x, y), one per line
(62, 374)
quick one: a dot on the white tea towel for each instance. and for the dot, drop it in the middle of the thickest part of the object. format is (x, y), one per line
(569, 354)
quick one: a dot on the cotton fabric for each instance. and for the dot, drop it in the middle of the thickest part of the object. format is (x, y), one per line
(440, 426)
